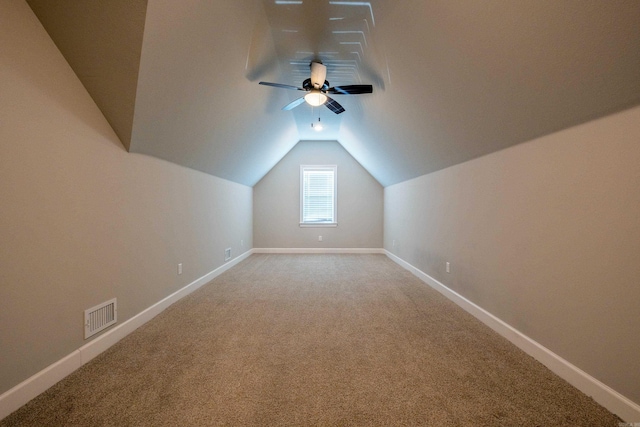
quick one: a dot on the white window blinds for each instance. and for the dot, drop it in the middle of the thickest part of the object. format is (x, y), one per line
(318, 195)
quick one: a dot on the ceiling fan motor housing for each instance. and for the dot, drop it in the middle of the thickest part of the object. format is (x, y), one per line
(308, 86)
(318, 74)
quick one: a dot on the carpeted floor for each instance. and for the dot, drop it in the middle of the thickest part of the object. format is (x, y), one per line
(313, 340)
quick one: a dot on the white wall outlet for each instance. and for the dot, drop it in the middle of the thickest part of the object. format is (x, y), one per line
(227, 254)
(448, 267)
(319, 238)
(393, 244)
(180, 268)
(242, 243)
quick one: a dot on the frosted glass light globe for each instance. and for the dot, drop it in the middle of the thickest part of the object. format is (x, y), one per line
(315, 98)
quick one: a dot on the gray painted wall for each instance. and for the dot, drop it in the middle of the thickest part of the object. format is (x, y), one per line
(276, 202)
(82, 220)
(544, 235)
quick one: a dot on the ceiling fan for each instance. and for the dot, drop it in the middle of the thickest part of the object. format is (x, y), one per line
(317, 89)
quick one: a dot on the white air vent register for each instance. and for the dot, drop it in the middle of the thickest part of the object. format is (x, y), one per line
(100, 317)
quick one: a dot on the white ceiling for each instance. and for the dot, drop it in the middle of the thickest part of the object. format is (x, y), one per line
(453, 79)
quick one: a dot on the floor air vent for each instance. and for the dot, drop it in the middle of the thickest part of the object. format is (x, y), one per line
(100, 317)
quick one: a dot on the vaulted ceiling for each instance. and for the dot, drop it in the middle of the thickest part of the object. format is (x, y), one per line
(452, 79)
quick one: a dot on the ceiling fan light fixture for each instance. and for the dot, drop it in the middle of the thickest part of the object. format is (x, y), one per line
(317, 88)
(315, 98)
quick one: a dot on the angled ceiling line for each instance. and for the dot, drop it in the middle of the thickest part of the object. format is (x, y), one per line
(356, 3)
(364, 37)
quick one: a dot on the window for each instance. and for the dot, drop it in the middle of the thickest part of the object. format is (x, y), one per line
(318, 186)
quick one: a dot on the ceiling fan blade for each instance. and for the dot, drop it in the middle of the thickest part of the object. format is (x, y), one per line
(294, 104)
(334, 106)
(280, 85)
(350, 89)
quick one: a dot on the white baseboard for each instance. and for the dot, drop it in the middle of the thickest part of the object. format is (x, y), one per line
(22, 393)
(19, 395)
(600, 392)
(318, 251)
(14, 398)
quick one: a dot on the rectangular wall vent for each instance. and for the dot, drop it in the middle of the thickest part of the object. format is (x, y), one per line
(227, 254)
(100, 317)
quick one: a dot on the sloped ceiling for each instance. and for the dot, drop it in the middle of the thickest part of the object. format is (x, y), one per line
(453, 79)
(102, 44)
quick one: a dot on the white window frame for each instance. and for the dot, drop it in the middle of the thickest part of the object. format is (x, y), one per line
(334, 169)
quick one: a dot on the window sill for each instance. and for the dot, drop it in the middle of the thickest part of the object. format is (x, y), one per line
(318, 225)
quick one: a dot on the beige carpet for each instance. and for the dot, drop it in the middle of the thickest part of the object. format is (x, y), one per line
(313, 340)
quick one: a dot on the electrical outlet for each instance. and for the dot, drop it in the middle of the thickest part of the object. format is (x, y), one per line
(180, 268)
(242, 243)
(394, 243)
(319, 238)
(227, 254)
(448, 267)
